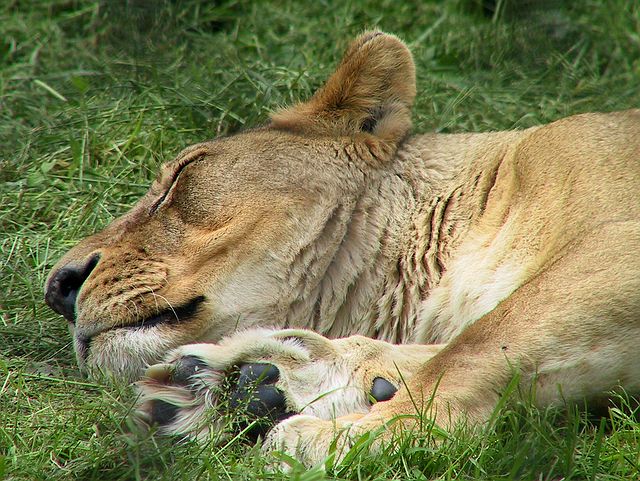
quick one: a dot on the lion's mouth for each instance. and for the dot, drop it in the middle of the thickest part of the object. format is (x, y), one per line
(170, 315)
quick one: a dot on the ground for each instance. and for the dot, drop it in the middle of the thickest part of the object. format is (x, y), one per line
(95, 94)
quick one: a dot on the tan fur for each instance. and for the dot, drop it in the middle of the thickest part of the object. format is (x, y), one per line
(518, 250)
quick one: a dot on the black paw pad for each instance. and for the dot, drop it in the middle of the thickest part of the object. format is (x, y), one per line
(255, 391)
(162, 412)
(256, 395)
(260, 373)
(186, 367)
(382, 390)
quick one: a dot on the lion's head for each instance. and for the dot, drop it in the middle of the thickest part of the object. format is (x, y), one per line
(226, 237)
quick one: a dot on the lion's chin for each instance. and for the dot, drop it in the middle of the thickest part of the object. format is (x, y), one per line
(113, 372)
(122, 355)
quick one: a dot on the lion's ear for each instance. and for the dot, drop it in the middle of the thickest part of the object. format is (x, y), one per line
(371, 92)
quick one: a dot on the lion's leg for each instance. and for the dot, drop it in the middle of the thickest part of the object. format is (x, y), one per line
(574, 329)
(296, 371)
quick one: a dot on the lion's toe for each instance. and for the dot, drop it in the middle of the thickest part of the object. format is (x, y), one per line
(186, 368)
(177, 396)
(162, 413)
(256, 395)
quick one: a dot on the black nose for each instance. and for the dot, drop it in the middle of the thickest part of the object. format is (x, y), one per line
(62, 290)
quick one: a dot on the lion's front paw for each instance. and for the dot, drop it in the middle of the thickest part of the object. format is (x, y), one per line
(257, 376)
(318, 442)
(308, 439)
(193, 396)
(176, 395)
(267, 375)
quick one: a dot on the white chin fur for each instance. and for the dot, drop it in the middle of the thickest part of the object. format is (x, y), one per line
(124, 354)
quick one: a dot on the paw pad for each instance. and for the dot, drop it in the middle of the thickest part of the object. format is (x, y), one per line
(382, 390)
(162, 412)
(256, 394)
(185, 368)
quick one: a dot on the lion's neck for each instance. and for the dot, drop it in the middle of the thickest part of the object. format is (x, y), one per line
(379, 253)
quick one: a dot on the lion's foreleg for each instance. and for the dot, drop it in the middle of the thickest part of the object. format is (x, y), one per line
(571, 332)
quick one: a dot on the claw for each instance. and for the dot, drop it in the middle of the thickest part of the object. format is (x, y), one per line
(159, 372)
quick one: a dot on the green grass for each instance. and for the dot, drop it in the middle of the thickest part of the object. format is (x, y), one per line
(95, 94)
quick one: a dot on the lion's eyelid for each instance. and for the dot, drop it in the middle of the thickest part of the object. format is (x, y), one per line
(154, 207)
(175, 174)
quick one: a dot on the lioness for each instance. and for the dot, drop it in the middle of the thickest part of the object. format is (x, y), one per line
(452, 261)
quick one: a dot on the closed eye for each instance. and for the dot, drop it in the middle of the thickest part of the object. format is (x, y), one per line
(163, 197)
(178, 166)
